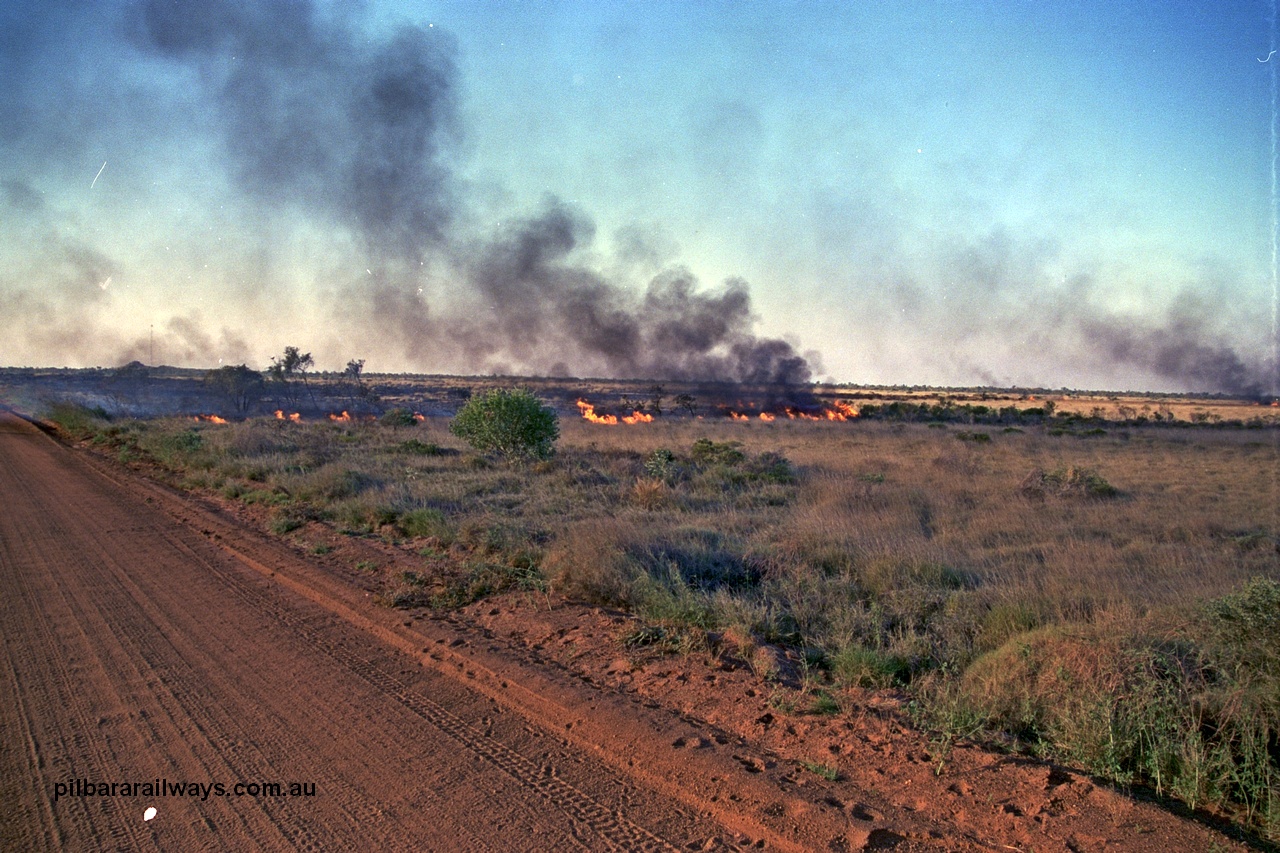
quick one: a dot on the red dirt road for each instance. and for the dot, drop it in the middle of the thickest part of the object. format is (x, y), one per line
(148, 636)
(136, 650)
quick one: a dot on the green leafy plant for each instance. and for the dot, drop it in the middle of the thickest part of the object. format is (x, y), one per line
(708, 452)
(398, 417)
(512, 423)
(661, 465)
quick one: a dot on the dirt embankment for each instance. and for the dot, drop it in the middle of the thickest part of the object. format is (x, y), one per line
(149, 636)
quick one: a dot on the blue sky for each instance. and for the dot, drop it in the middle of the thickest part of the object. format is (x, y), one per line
(1051, 193)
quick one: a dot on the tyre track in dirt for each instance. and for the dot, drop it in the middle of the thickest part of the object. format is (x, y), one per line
(610, 827)
(604, 827)
(174, 652)
(31, 616)
(399, 713)
(177, 662)
(108, 633)
(761, 801)
(227, 749)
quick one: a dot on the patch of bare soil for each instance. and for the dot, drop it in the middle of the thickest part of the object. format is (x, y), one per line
(622, 746)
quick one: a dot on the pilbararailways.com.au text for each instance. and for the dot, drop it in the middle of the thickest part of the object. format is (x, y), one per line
(166, 788)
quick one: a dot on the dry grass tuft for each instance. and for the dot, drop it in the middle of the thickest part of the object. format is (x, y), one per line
(885, 554)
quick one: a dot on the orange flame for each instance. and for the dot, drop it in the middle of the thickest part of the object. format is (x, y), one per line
(343, 418)
(836, 411)
(296, 417)
(213, 419)
(738, 416)
(419, 417)
(768, 418)
(589, 414)
(839, 411)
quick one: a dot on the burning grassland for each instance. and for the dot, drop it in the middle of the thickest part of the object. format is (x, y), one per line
(589, 415)
(892, 552)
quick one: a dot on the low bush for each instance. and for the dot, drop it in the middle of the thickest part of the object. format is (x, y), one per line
(662, 465)
(427, 524)
(76, 421)
(1194, 713)
(482, 579)
(398, 417)
(1068, 481)
(857, 666)
(511, 423)
(174, 449)
(708, 452)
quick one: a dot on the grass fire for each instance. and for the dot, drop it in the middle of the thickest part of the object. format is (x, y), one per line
(1006, 558)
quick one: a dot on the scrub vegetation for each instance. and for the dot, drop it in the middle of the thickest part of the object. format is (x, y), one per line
(1109, 601)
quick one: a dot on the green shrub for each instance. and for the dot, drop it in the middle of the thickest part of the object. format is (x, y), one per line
(285, 524)
(334, 482)
(173, 448)
(1198, 723)
(824, 704)
(1003, 621)
(384, 514)
(1243, 632)
(770, 467)
(416, 447)
(708, 452)
(1240, 633)
(661, 465)
(512, 423)
(398, 417)
(484, 579)
(267, 497)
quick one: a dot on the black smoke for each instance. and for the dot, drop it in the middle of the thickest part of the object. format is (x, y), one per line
(359, 135)
(1005, 301)
(316, 116)
(546, 304)
(1183, 351)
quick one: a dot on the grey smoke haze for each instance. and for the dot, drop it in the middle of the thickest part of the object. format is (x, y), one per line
(310, 118)
(316, 118)
(1183, 349)
(544, 302)
(336, 126)
(1024, 312)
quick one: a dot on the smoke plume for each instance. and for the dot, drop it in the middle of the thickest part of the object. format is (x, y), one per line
(360, 133)
(306, 120)
(315, 117)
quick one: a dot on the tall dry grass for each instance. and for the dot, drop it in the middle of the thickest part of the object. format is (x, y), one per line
(1081, 593)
